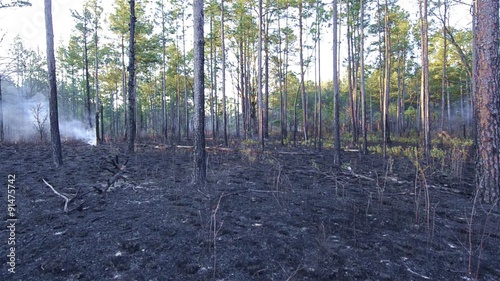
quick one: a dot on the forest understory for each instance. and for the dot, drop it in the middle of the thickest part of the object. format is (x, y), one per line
(281, 214)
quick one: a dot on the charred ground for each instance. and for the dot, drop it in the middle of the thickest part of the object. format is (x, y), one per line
(278, 215)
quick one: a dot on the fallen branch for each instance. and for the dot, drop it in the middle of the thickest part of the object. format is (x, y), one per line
(351, 173)
(294, 153)
(66, 199)
(265, 191)
(188, 147)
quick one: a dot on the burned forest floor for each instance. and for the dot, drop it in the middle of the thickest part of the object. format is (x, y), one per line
(281, 214)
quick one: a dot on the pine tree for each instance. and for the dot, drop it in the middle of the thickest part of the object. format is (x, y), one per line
(53, 109)
(487, 87)
(200, 166)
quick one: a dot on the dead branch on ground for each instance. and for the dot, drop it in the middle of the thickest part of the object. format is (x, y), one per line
(118, 170)
(66, 198)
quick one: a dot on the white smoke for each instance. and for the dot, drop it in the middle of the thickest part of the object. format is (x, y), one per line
(20, 117)
(76, 130)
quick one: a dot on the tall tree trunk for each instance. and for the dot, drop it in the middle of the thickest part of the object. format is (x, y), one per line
(124, 90)
(96, 81)
(212, 76)
(444, 83)
(387, 83)
(87, 74)
(320, 117)
(178, 105)
(244, 108)
(266, 72)
(336, 89)
(131, 82)
(51, 65)
(1, 112)
(487, 87)
(200, 166)
(381, 63)
(223, 46)
(164, 125)
(112, 123)
(351, 76)
(302, 82)
(424, 93)
(280, 83)
(259, 82)
(403, 95)
(184, 68)
(363, 94)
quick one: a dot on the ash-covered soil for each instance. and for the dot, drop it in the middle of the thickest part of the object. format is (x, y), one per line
(278, 215)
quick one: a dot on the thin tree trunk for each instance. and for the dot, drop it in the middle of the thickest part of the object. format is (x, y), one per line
(51, 65)
(336, 90)
(184, 66)
(244, 108)
(302, 82)
(280, 83)
(1, 112)
(223, 46)
(363, 94)
(212, 76)
(178, 105)
(320, 117)
(387, 83)
(163, 75)
(259, 82)
(124, 91)
(351, 77)
(444, 83)
(96, 81)
(285, 82)
(87, 74)
(424, 95)
(131, 82)
(381, 64)
(266, 72)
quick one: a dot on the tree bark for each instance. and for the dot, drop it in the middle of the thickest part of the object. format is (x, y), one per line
(51, 65)
(444, 77)
(131, 82)
(351, 76)
(280, 83)
(124, 89)
(424, 88)
(200, 166)
(487, 87)
(266, 71)
(87, 74)
(223, 46)
(1, 111)
(163, 76)
(98, 112)
(387, 83)
(212, 67)
(184, 68)
(259, 82)
(320, 117)
(302, 82)
(363, 94)
(336, 90)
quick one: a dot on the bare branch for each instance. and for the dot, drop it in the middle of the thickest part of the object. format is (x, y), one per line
(66, 199)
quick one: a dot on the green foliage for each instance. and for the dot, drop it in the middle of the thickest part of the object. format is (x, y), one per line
(451, 153)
